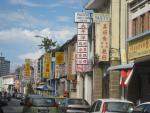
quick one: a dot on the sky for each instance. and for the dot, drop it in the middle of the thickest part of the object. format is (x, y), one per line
(22, 20)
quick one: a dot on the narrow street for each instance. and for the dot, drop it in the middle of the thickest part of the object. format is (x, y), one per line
(13, 107)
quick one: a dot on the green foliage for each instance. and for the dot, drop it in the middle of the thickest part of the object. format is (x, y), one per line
(30, 89)
(47, 44)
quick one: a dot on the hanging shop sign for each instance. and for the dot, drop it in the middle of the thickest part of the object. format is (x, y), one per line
(100, 17)
(82, 17)
(138, 48)
(47, 65)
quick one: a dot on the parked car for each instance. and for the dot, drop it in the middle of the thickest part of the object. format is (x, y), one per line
(19, 95)
(142, 108)
(9, 97)
(72, 105)
(111, 106)
(22, 101)
(39, 104)
(3, 101)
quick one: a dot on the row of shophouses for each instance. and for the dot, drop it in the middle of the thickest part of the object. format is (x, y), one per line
(109, 57)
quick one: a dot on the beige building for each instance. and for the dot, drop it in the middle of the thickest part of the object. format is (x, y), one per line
(105, 80)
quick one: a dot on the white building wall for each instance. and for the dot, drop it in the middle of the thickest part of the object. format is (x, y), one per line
(79, 86)
(88, 88)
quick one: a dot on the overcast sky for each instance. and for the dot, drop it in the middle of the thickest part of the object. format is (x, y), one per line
(21, 20)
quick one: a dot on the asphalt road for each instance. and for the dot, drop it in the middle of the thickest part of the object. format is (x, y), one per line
(13, 107)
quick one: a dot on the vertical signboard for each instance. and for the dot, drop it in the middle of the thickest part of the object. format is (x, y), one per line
(82, 44)
(104, 41)
(70, 76)
(102, 24)
(27, 68)
(83, 20)
(47, 65)
(57, 71)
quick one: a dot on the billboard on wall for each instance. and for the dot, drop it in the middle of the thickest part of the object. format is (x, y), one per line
(138, 48)
(59, 57)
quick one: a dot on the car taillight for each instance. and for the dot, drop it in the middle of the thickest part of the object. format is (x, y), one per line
(104, 108)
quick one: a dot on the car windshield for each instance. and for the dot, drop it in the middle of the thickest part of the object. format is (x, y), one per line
(119, 107)
(77, 102)
(43, 102)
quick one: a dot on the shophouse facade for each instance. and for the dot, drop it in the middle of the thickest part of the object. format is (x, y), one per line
(106, 82)
(139, 49)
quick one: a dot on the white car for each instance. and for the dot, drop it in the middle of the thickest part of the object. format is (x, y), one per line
(111, 106)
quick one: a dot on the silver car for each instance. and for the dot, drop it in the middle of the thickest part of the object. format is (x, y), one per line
(73, 105)
(111, 106)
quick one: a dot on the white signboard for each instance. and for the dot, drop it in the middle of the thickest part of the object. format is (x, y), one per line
(82, 17)
(99, 17)
(81, 61)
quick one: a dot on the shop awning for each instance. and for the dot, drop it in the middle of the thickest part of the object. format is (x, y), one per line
(120, 67)
(94, 4)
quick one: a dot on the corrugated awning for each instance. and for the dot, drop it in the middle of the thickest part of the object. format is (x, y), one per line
(120, 67)
(94, 4)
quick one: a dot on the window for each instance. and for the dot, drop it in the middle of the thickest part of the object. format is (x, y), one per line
(142, 23)
(135, 27)
(147, 109)
(98, 106)
(93, 107)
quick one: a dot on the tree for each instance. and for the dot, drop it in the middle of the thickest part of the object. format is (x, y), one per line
(46, 43)
(30, 89)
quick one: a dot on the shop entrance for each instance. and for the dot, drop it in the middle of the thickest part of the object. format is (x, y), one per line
(139, 85)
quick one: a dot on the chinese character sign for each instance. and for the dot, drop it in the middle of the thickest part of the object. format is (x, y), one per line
(47, 65)
(104, 41)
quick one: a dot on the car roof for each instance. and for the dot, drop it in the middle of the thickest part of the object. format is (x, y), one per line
(114, 100)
